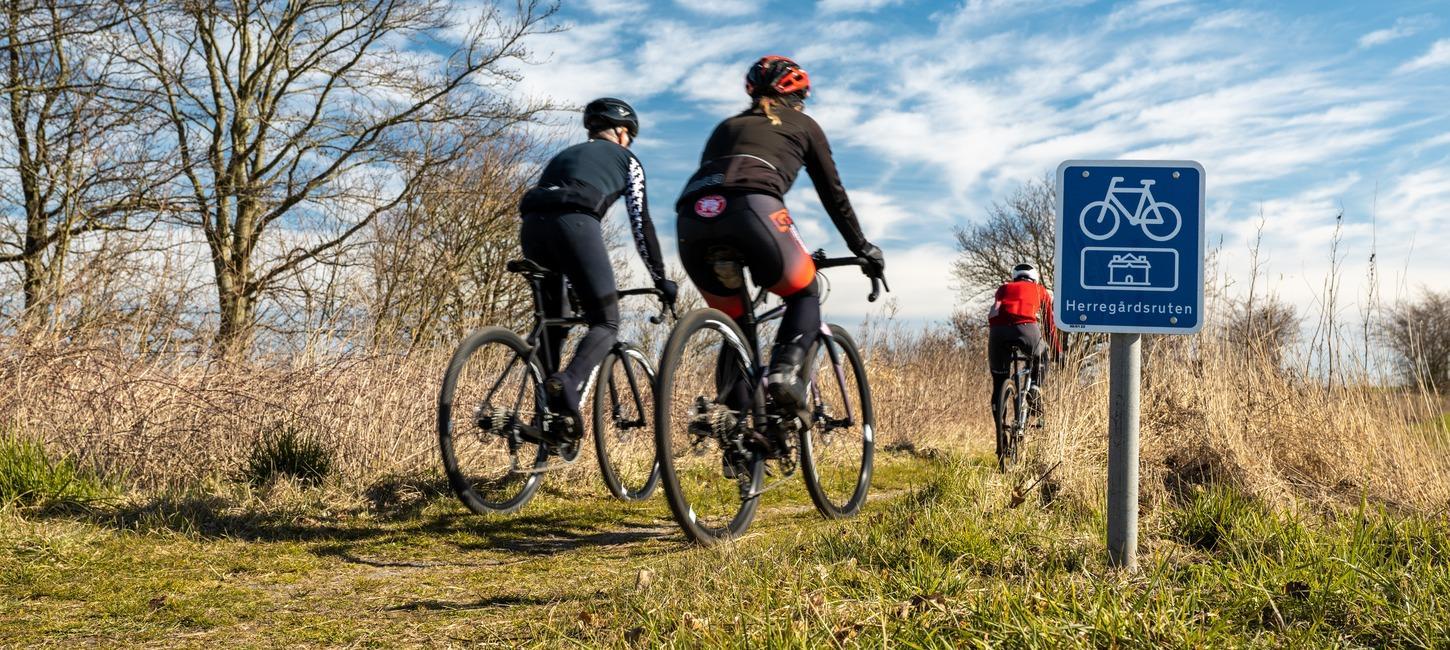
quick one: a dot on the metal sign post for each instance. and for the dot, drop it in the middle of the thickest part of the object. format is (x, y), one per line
(1125, 351)
(1130, 240)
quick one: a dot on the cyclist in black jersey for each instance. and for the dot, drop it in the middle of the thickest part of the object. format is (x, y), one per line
(732, 207)
(561, 231)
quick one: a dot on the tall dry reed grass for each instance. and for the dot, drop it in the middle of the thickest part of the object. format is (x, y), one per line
(1212, 412)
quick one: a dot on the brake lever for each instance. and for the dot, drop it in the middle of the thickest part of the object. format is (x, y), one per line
(664, 307)
(877, 284)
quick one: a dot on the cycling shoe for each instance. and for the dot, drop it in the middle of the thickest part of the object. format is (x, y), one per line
(563, 401)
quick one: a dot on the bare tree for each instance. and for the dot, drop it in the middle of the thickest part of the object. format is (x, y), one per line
(1418, 333)
(314, 117)
(1020, 229)
(1267, 327)
(437, 263)
(76, 149)
(1017, 230)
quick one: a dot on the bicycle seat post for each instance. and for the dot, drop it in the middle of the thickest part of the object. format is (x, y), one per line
(535, 275)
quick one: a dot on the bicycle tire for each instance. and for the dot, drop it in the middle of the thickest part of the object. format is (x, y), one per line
(615, 400)
(515, 488)
(667, 421)
(1082, 219)
(824, 497)
(1177, 221)
(1005, 420)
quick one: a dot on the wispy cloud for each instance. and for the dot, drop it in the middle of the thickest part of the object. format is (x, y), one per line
(997, 92)
(1437, 57)
(1404, 26)
(849, 6)
(727, 8)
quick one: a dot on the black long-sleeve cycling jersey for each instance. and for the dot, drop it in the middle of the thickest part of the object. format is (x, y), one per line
(747, 153)
(588, 178)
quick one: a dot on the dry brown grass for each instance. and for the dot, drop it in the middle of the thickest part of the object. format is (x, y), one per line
(1211, 412)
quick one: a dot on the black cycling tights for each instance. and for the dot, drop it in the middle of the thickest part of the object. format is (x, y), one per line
(573, 245)
(756, 230)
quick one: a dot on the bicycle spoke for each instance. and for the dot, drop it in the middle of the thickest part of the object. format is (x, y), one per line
(484, 453)
(705, 394)
(623, 440)
(839, 443)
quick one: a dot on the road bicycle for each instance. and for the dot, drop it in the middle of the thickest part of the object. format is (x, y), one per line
(497, 433)
(1149, 213)
(1019, 407)
(718, 437)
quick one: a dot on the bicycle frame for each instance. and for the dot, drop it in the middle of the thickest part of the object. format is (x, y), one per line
(1022, 380)
(1145, 196)
(539, 345)
(750, 325)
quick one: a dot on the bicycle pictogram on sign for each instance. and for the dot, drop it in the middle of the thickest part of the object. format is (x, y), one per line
(1149, 214)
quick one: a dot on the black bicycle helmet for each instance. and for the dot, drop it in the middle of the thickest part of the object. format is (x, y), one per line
(608, 112)
(777, 76)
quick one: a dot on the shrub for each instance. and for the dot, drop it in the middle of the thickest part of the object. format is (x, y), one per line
(286, 451)
(30, 478)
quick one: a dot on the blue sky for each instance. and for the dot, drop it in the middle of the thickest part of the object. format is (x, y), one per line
(1295, 109)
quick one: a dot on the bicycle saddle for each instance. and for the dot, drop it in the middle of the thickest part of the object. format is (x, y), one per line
(528, 267)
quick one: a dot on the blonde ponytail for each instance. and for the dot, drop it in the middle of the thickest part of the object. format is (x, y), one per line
(767, 105)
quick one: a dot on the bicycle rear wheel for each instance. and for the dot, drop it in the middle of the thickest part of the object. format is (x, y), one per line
(490, 395)
(711, 480)
(1006, 424)
(623, 404)
(837, 450)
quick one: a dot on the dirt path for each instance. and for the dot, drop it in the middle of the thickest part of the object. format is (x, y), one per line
(434, 577)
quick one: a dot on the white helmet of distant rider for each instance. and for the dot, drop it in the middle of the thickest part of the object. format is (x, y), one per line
(1026, 271)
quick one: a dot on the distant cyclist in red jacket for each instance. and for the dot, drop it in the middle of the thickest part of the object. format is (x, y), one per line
(1016, 311)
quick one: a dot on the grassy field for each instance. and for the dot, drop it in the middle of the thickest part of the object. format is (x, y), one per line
(940, 558)
(1277, 510)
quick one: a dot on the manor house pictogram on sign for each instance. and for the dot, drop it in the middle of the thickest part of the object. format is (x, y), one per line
(1127, 270)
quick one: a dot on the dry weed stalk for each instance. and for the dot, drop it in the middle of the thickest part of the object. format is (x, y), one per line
(1212, 412)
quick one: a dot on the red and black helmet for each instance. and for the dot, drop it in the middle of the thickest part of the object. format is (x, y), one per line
(777, 76)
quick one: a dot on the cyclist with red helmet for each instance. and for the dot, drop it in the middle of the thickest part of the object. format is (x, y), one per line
(1014, 322)
(732, 208)
(561, 231)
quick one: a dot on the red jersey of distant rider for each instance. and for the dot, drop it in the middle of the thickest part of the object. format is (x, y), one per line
(1021, 301)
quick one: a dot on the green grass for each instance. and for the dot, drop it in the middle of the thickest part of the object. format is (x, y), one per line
(938, 560)
(953, 566)
(30, 478)
(285, 451)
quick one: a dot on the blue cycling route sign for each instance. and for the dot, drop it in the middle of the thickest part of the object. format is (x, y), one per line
(1130, 239)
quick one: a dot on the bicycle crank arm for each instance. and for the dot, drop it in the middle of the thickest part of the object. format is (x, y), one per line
(768, 487)
(545, 469)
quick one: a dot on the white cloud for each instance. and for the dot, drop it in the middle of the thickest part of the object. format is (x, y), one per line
(878, 213)
(851, 6)
(1437, 57)
(989, 104)
(612, 7)
(726, 8)
(1403, 27)
(1144, 12)
(920, 279)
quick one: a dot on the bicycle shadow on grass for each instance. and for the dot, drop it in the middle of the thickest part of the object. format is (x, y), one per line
(399, 510)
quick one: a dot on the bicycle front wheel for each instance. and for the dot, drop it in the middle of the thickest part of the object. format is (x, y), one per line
(703, 397)
(623, 404)
(1099, 220)
(837, 449)
(1170, 221)
(1006, 424)
(490, 396)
